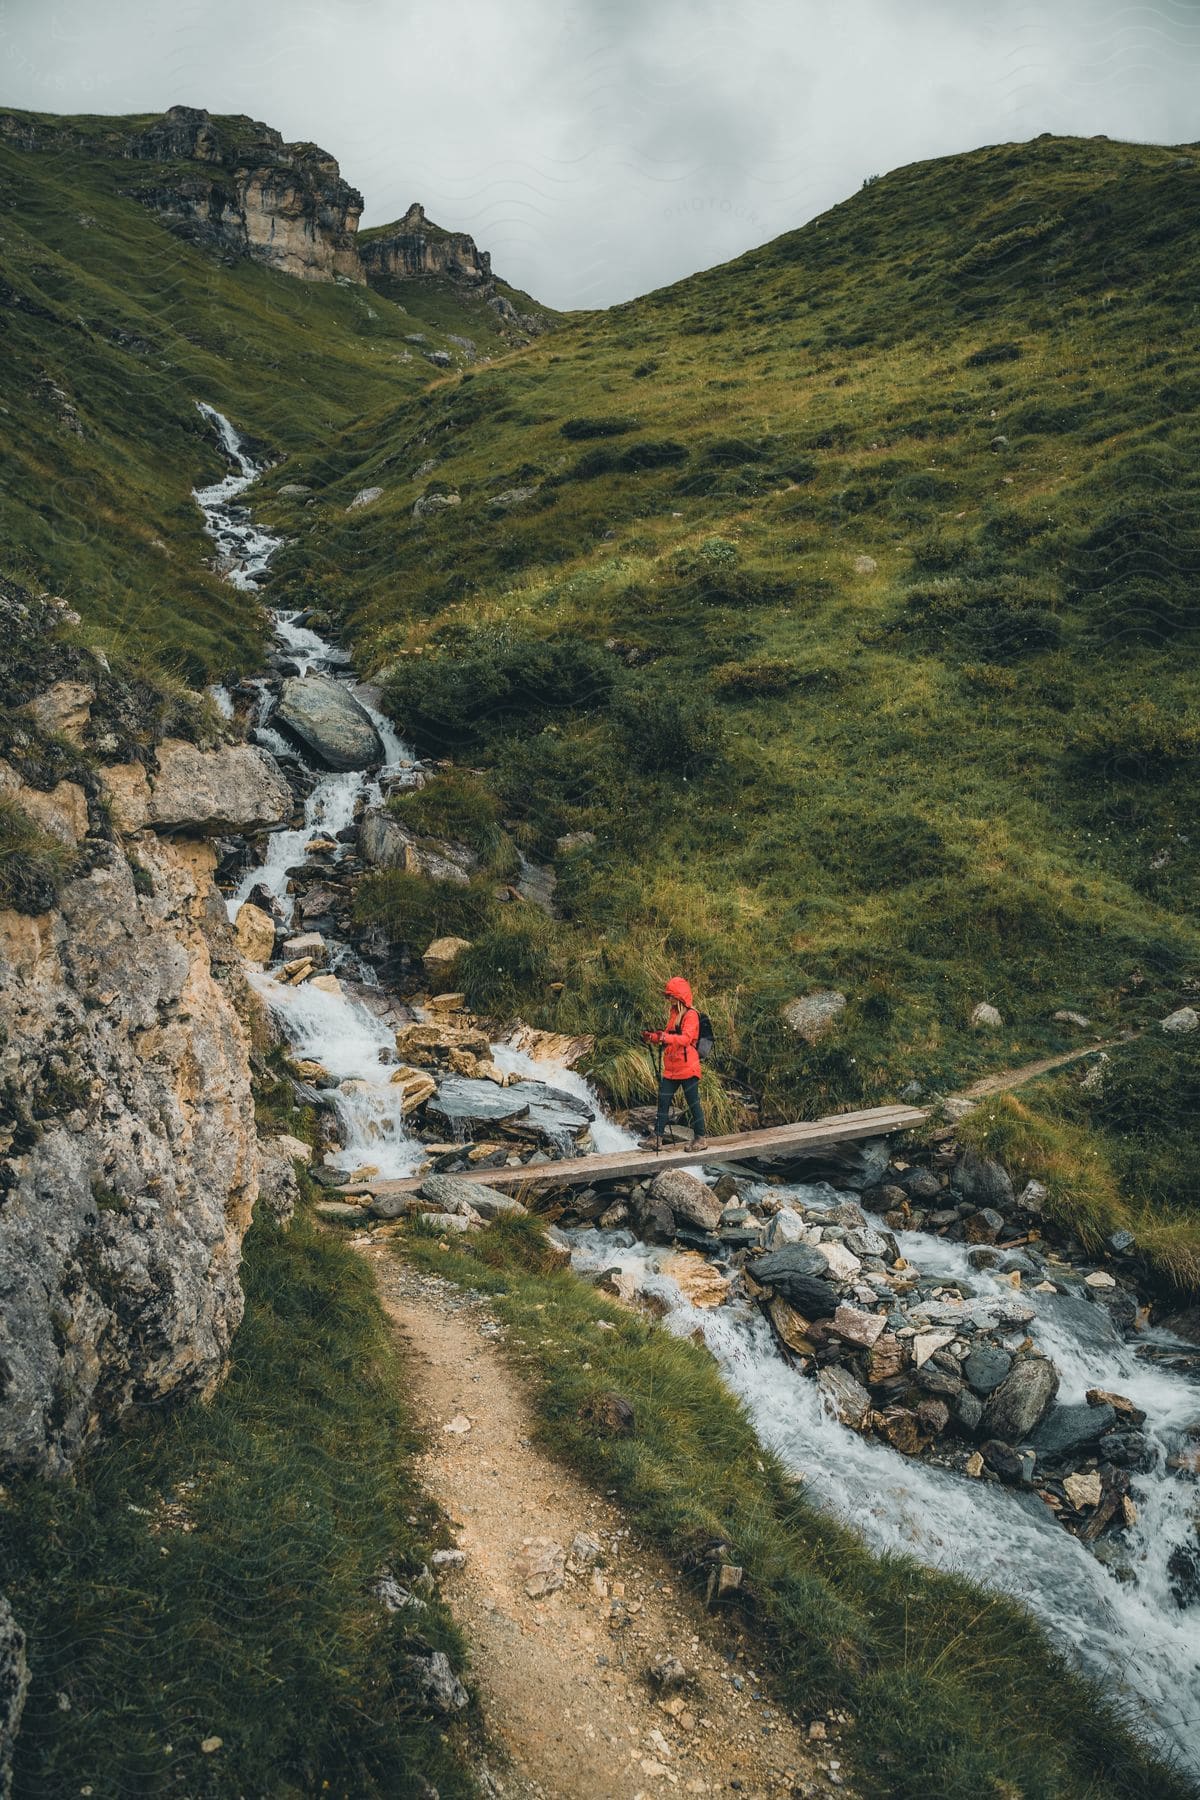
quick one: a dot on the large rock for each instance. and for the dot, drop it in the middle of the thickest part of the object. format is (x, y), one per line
(799, 1273)
(448, 1194)
(1021, 1401)
(1066, 1429)
(467, 1109)
(239, 787)
(815, 1014)
(14, 1685)
(1180, 1022)
(254, 930)
(847, 1397)
(442, 955)
(983, 1182)
(132, 1170)
(690, 1201)
(387, 844)
(278, 1186)
(329, 722)
(986, 1366)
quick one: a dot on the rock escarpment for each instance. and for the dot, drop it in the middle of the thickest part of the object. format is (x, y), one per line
(129, 1161)
(282, 204)
(413, 247)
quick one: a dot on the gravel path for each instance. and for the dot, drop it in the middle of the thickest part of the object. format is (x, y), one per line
(561, 1675)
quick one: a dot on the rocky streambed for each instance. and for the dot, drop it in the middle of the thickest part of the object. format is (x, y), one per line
(906, 1334)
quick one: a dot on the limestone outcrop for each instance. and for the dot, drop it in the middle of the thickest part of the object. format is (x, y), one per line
(130, 1158)
(414, 247)
(282, 204)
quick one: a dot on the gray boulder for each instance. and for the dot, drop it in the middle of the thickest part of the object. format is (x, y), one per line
(1022, 1400)
(1066, 1429)
(798, 1272)
(983, 1182)
(449, 1194)
(814, 1014)
(690, 1201)
(387, 844)
(986, 1367)
(437, 1684)
(846, 1395)
(329, 722)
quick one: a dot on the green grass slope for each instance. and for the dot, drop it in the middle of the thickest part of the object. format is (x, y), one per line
(850, 602)
(110, 329)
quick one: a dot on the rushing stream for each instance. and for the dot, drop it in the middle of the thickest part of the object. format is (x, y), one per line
(1122, 1623)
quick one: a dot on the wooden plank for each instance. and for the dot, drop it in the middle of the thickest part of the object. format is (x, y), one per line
(775, 1141)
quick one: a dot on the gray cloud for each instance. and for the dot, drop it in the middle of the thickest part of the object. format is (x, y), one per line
(600, 148)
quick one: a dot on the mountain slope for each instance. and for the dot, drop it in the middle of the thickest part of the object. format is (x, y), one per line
(111, 327)
(846, 593)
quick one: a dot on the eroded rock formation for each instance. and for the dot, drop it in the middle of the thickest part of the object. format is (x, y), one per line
(413, 247)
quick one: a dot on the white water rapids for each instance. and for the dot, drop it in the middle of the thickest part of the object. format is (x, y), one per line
(1127, 1630)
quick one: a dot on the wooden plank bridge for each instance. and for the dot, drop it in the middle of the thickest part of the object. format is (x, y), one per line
(778, 1141)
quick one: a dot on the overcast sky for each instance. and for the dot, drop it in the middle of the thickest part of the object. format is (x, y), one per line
(600, 148)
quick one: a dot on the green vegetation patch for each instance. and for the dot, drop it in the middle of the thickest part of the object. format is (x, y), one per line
(208, 1575)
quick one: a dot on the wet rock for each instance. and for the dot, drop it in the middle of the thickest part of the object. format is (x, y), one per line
(847, 1397)
(902, 1429)
(983, 1227)
(1068, 1429)
(813, 1016)
(255, 933)
(696, 1278)
(1127, 1411)
(324, 715)
(308, 946)
(841, 1263)
(790, 1326)
(926, 1343)
(858, 1327)
(1084, 1490)
(919, 1184)
(1015, 1466)
(967, 1409)
(690, 1200)
(798, 1272)
(1127, 1448)
(885, 1198)
(986, 1366)
(887, 1359)
(787, 1227)
(983, 1182)
(449, 1194)
(933, 1415)
(464, 1108)
(1022, 1399)
(653, 1217)
(416, 1087)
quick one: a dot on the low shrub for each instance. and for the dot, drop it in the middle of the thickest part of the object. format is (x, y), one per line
(34, 865)
(612, 426)
(454, 806)
(668, 731)
(474, 685)
(413, 910)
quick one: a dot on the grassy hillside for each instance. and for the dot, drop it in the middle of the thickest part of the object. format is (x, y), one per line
(110, 329)
(852, 609)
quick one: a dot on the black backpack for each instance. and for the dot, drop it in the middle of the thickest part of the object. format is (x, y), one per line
(705, 1044)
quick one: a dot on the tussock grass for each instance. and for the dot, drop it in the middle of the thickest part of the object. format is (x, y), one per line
(954, 1691)
(34, 864)
(254, 1623)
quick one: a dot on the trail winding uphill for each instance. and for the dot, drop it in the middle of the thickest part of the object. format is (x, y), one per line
(562, 1676)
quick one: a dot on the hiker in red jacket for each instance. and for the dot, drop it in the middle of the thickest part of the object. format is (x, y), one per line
(680, 1064)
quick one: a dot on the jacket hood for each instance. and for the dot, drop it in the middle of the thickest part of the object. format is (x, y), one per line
(678, 989)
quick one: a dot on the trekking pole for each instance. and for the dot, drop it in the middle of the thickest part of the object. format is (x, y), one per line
(670, 1133)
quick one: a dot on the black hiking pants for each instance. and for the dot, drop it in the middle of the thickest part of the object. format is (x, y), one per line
(691, 1093)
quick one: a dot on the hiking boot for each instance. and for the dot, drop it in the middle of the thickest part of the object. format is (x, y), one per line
(650, 1143)
(699, 1143)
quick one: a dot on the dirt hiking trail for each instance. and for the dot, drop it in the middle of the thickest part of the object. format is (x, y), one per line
(561, 1675)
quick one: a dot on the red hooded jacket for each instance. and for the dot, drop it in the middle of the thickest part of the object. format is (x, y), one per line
(681, 1059)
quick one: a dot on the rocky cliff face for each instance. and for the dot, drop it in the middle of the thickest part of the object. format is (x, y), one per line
(128, 1155)
(283, 204)
(413, 247)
